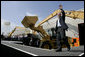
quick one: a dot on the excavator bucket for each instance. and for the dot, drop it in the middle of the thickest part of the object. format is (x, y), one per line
(29, 20)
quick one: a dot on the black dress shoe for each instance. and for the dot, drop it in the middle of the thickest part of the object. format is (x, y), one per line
(59, 50)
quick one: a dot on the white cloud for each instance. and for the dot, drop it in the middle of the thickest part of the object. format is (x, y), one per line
(30, 14)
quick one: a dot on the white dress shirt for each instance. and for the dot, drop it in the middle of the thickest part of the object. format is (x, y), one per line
(59, 22)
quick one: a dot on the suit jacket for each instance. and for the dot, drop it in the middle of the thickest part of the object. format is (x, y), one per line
(62, 21)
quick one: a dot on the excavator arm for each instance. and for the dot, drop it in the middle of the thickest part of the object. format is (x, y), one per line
(29, 21)
(15, 30)
(71, 14)
(11, 32)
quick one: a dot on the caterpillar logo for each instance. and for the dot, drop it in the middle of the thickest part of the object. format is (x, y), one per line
(75, 42)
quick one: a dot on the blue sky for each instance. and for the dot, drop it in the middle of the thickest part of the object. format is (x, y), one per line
(14, 11)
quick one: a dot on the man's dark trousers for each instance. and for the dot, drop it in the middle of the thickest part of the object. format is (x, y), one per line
(61, 38)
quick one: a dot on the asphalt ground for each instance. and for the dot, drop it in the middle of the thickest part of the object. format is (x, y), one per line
(23, 50)
(8, 51)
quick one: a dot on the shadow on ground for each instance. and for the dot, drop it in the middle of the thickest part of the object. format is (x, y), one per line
(7, 51)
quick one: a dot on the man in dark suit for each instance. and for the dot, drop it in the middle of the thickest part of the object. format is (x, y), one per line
(60, 30)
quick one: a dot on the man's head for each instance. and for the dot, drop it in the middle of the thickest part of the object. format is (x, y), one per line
(60, 6)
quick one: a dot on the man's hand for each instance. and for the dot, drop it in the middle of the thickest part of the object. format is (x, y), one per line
(66, 29)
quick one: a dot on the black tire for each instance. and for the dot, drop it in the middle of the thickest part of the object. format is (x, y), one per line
(46, 44)
(26, 41)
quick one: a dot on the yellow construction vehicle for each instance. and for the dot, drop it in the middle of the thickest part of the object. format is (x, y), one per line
(17, 27)
(11, 32)
(47, 42)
